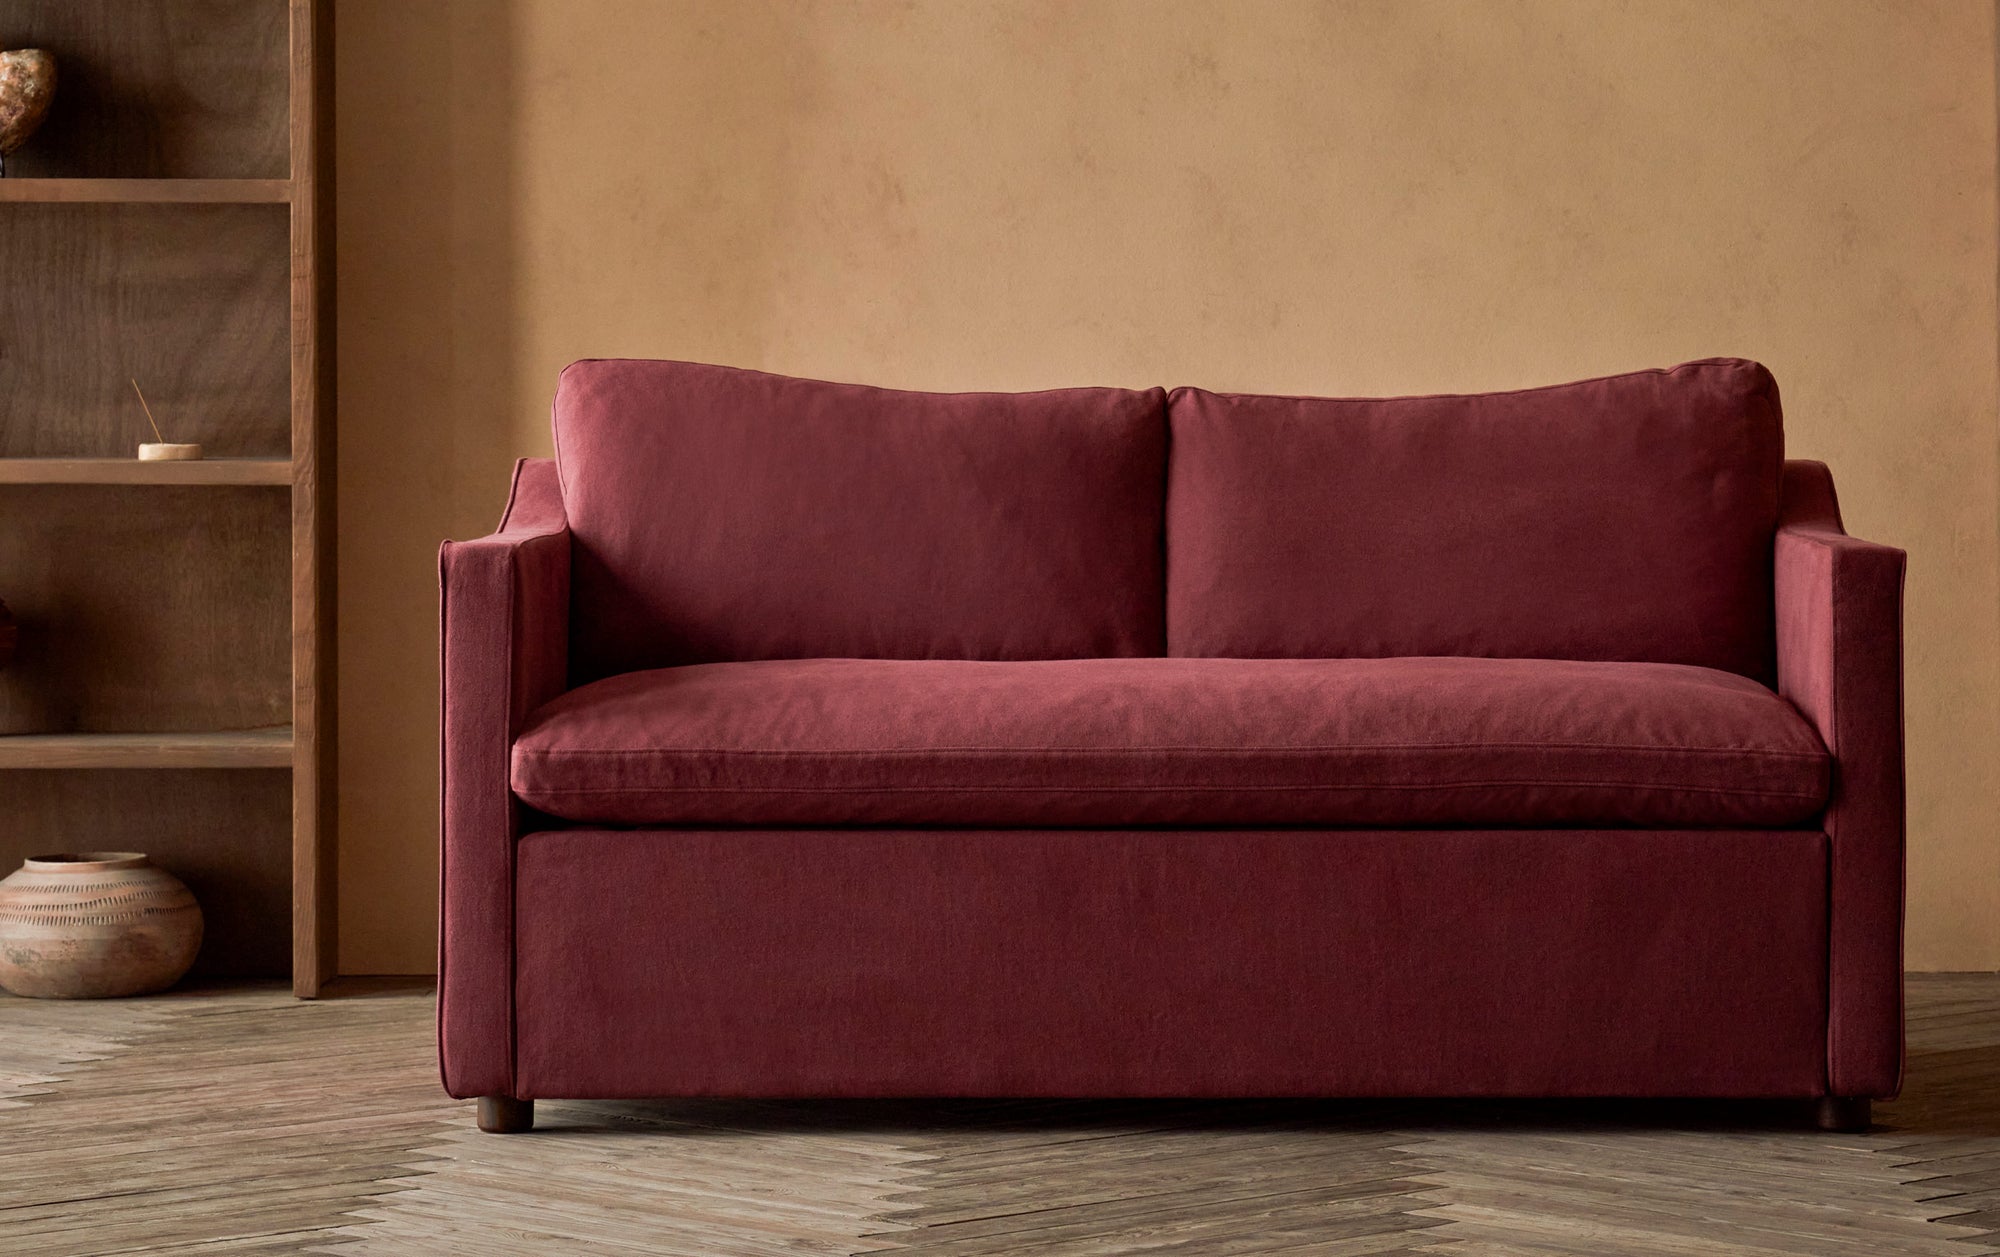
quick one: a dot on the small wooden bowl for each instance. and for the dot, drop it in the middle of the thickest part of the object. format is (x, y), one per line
(155, 452)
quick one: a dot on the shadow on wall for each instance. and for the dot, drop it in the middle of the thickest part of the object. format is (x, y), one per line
(423, 147)
(655, 180)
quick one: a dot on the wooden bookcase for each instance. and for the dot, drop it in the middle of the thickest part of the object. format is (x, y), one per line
(172, 222)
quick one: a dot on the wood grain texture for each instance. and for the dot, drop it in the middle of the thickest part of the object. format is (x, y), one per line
(160, 610)
(144, 191)
(318, 1127)
(190, 300)
(39, 1052)
(248, 748)
(315, 830)
(1943, 1133)
(225, 471)
(157, 88)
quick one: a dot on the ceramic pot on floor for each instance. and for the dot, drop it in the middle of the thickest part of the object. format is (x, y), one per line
(95, 924)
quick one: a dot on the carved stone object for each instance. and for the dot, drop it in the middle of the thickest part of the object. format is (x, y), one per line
(97, 924)
(27, 85)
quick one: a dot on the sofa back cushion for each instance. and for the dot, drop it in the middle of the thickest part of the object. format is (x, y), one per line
(720, 514)
(1625, 518)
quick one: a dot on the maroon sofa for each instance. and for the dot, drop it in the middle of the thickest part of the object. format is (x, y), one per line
(808, 739)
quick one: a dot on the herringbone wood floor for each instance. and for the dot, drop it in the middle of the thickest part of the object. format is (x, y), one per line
(240, 1121)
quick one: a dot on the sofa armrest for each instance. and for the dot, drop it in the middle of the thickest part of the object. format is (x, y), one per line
(1840, 661)
(505, 639)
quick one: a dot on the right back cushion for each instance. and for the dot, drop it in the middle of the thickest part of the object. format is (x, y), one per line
(719, 514)
(1629, 517)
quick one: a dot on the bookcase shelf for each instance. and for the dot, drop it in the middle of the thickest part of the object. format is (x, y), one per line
(250, 748)
(145, 191)
(171, 222)
(216, 471)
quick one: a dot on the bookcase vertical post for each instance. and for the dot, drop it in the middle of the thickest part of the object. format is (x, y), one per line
(314, 831)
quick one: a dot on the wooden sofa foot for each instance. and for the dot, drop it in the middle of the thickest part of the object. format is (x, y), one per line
(1844, 1113)
(504, 1115)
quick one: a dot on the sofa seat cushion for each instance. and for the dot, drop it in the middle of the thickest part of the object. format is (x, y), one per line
(1233, 742)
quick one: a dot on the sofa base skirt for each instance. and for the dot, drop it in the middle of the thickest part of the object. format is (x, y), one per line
(807, 963)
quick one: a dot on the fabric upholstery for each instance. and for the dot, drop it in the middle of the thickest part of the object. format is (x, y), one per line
(1164, 963)
(505, 619)
(1174, 742)
(1625, 518)
(1840, 659)
(1459, 778)
(721, 514)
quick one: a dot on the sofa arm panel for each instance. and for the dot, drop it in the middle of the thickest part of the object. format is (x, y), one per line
(504, 630)
(1840, 661)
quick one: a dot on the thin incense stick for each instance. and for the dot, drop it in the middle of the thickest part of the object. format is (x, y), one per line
(149, 412)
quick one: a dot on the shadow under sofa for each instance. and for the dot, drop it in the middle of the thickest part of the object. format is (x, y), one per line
(812, 740)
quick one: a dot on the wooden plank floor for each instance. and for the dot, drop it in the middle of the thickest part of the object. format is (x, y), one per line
(237, 1120)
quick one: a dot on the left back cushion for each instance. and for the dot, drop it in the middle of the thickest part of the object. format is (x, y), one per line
(719, 514)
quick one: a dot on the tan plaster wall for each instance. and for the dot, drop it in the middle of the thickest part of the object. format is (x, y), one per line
(1345, 197)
